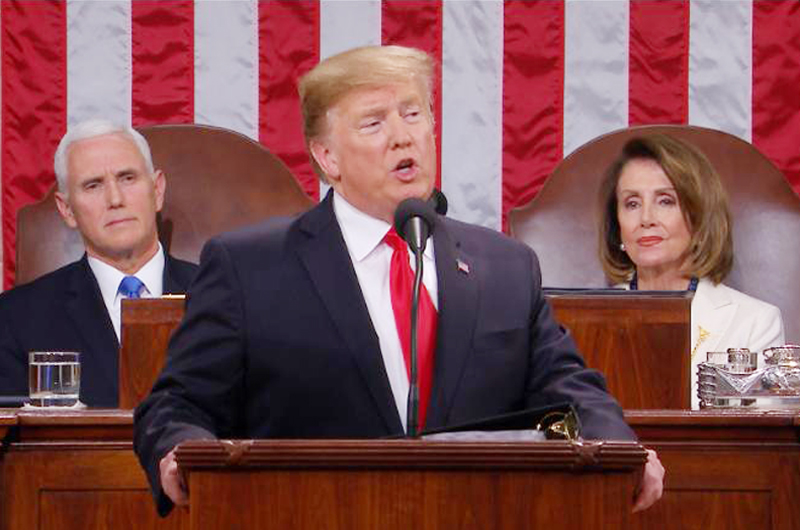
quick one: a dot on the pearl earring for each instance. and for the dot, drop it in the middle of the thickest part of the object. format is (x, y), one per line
(622, 247)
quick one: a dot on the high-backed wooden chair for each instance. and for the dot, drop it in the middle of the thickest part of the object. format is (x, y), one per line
(217, 180)
(561, 222)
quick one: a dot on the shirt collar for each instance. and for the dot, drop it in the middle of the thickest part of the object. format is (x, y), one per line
(108, 277)
(362, 232)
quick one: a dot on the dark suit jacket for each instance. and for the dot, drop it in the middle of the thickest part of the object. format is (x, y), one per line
(277, 342)
(64, 311)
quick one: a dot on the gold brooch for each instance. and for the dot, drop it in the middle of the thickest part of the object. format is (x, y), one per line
(702, 336)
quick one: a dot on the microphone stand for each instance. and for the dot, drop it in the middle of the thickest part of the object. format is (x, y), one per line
(412, 418)
(414, 220)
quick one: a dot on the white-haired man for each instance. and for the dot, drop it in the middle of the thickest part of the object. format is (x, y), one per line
(109, 191)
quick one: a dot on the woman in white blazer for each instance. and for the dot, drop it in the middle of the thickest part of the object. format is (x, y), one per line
(665, 225)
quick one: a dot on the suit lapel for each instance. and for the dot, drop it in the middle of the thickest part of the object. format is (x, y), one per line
(169, 281)
(174, 279)
(457, 276)
(712, 314)
(88, 314)
(325, 257)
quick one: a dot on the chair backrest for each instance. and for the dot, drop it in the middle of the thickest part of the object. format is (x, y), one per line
(560, 223)
(217, 180)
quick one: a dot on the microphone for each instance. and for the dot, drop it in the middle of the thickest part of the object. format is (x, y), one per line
(438, 201)
(414, 220)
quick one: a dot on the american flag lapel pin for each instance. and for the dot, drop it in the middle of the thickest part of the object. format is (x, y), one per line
(462, 266)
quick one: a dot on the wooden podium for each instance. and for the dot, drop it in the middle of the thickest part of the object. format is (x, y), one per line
(401, 484)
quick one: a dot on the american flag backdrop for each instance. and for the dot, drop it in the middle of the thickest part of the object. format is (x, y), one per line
(521, 85)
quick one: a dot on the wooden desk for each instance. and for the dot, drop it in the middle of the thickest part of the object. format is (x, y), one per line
(8, 418)
(76, 470)
(725, 471)
(728, 470)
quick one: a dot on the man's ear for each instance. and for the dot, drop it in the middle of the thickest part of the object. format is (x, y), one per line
(62, 203)
(326, 159)
(160, 185)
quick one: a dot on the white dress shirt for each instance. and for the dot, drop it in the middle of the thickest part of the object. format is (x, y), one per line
(108, 278)
(371, 257)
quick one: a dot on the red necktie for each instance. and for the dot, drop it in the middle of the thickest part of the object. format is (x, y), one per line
(401, 283)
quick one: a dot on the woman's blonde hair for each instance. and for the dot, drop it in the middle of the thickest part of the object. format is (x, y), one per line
(702, 200)
(369, 66)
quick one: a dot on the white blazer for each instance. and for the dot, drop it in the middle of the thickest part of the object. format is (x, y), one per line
(725, 318)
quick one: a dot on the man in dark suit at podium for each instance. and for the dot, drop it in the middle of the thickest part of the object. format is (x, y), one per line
(109, 191)
(293, 330)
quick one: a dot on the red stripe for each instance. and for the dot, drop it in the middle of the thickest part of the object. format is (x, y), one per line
(776, 78)
(34, 85)
(533, 98)
(659, 62)
(418, 24)
(288, 34)
(162, 54)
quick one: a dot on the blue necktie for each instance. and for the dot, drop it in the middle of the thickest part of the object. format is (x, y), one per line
(130, 287)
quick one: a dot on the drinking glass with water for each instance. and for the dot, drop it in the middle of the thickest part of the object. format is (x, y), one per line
(54, 378)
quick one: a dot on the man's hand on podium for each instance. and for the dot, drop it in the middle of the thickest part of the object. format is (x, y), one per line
(652, 484)
(172, 480)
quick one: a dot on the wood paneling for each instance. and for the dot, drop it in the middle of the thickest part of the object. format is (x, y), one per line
(99, 510)
(725, 470)
(639, 341)
(147, 325)
(700, 510)
(76, 470)
(8, 419)
(350, 500)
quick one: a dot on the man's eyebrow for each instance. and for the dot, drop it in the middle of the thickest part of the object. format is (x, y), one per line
(372, 110)
(411, 100)
(126, 171)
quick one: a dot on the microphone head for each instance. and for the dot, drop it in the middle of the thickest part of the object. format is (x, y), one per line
(409, 209)
(439, 202)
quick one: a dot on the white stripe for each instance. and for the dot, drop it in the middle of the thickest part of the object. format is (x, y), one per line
(345, 24)
(226, 65)
(348, 24)
(595, 70)
(472, 106)
(98, 61)
(721, 66)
